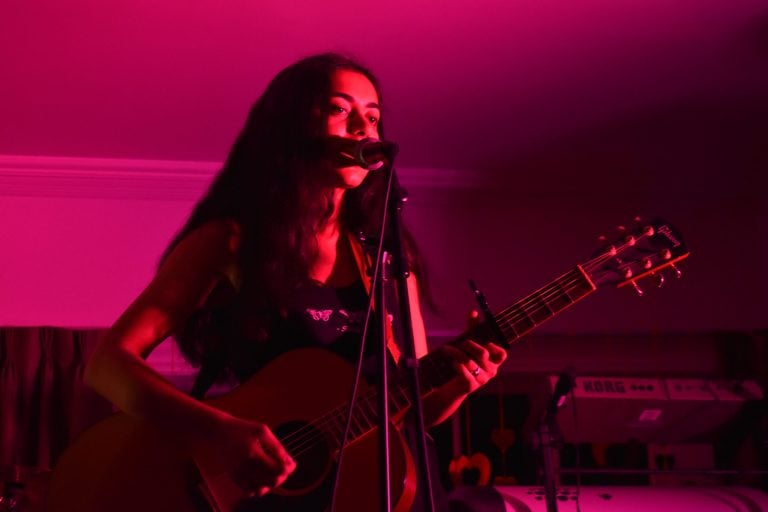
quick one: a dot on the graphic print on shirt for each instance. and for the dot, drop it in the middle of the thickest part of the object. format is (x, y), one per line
(320, 314)
(341, 320)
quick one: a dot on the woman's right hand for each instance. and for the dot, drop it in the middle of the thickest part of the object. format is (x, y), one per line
(253, 456)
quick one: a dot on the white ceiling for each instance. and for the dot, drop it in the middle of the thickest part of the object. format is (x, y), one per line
(467, 84)
(578, 114)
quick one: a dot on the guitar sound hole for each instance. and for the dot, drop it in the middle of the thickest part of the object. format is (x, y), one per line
(310, 448)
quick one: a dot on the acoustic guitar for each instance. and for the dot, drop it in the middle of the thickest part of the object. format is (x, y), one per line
(124, 464)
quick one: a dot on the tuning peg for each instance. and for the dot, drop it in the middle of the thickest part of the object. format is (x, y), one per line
(678, 272)
(602, 238)
(666, 254)
(621, 229)
(630, 240)
(659, 280)
(647, 263)
(649, 231)
(639, 291)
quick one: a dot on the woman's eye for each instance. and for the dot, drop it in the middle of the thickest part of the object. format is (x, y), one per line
(337, 109)
(373, 120)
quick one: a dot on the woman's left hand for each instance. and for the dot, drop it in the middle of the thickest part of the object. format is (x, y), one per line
(476, 364)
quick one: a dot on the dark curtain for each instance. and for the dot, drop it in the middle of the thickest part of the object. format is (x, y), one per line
(43, 401)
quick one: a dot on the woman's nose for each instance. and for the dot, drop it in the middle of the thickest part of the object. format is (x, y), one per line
(357, 124)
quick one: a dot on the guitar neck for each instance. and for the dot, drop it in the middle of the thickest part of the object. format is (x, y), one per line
(512, 322)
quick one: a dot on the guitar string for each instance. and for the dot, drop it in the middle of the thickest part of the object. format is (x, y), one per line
(307, 437)
(328, 418)
(522, 309)
(308, 440)
(314, 429)
(323, 421)
(317, 426)
(519, 309)
(538, 302)
(589, 265)
(319, 430)
(538, 296)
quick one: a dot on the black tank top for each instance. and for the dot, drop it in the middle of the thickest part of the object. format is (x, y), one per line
(317, 316)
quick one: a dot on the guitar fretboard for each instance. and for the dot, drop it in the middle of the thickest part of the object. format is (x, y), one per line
(513, 322)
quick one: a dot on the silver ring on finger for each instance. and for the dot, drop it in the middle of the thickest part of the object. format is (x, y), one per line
(476, 371)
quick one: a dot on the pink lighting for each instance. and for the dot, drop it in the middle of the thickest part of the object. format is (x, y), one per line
(526, 129)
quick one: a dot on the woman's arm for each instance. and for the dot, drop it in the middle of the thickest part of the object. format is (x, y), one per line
(476, 365)
(118, 369)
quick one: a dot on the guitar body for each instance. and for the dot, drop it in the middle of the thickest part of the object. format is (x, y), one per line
(124, 464)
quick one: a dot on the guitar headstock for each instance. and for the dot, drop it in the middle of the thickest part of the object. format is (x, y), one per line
(639, 252)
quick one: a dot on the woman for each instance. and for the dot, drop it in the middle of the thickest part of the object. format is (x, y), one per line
(270, 237)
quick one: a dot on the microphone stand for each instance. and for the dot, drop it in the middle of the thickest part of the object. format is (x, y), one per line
(400, 272)
(548, 438)
(383, 395)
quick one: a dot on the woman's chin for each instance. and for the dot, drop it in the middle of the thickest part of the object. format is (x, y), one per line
(351, 177)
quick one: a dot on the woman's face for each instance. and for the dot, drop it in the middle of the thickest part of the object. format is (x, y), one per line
(353, 114)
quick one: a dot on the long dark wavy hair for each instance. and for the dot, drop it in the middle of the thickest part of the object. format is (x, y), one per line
(274, 185)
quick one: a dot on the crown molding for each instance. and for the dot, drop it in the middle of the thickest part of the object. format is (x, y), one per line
(104, 178)
(181, 180)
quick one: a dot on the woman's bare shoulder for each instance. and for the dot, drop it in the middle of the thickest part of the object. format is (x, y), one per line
(224, 230)
(213, 245)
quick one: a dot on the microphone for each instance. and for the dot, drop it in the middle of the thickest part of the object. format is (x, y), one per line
(373, 154)
(566, 381)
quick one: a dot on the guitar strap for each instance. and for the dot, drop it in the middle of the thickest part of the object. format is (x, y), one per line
(364, 263)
